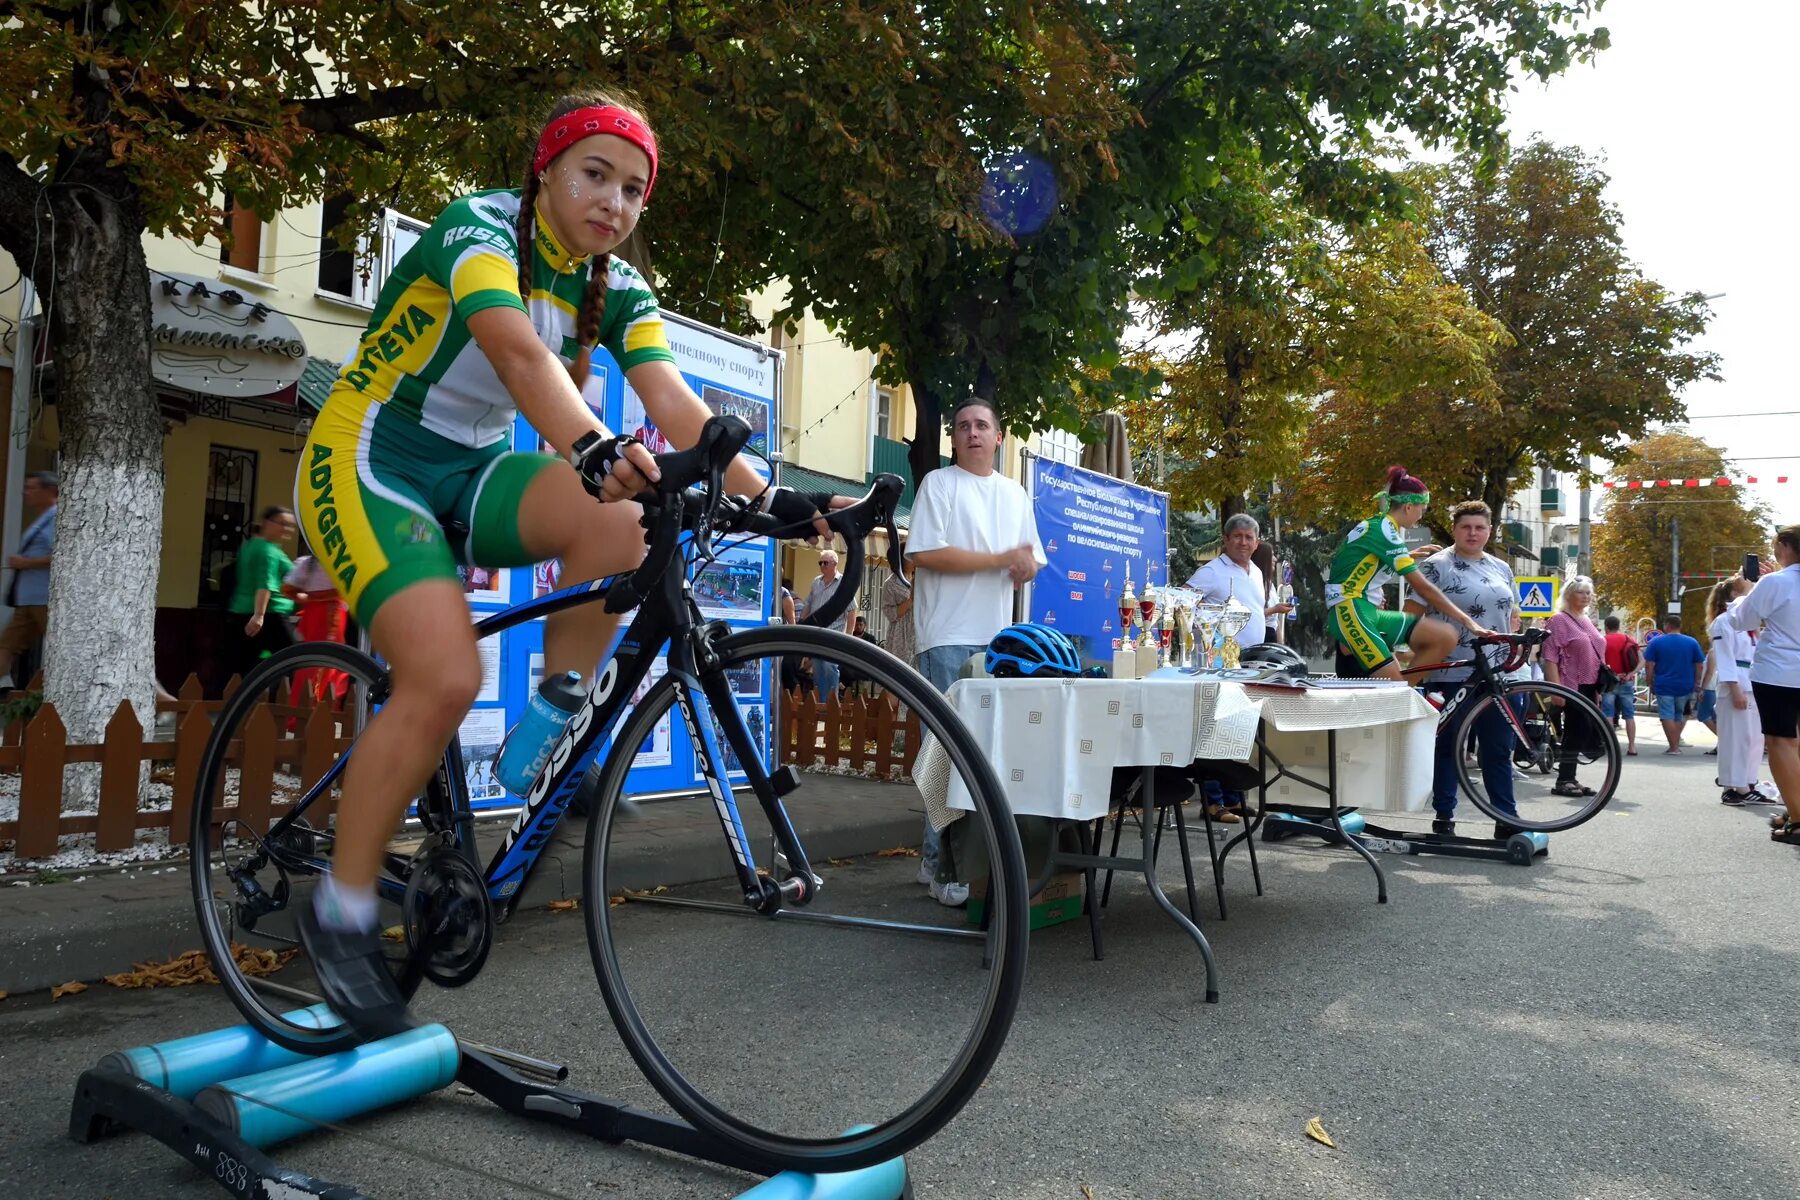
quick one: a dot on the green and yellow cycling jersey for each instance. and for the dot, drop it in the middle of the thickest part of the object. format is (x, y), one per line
(1374, 552)
(417, 359)
(408, 470)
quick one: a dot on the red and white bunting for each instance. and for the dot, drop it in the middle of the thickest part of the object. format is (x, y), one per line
(1719, 481)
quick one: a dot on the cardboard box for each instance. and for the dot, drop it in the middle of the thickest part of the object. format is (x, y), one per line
(1060, 901)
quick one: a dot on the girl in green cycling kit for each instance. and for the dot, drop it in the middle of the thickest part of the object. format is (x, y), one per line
(1374, 552)
(409, 471)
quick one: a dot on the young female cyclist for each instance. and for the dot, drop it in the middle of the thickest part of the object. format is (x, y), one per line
(408, 471)
(1374, 552)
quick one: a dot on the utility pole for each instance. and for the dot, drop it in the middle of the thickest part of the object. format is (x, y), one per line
(1675, 560)
(1584, 564)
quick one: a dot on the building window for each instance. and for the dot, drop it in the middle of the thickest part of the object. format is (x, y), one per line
(355, 270)
(230, 494)
(340, 252)
(884, 413)
(241, 248)
(1059, 445)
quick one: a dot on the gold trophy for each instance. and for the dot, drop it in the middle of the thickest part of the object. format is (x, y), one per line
(1205, 619)
(1235, 617)
(1168, 636)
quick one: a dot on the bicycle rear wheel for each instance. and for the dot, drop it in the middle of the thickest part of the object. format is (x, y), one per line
(1558, 731)
(275, 747)
(779, 1034)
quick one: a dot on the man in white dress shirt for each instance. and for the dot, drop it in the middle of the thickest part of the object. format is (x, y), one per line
(1232, 576)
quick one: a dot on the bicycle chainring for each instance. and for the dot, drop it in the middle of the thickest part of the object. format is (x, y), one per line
(448, 917)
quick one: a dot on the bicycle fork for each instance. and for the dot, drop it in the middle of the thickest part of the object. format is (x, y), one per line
(708, 708)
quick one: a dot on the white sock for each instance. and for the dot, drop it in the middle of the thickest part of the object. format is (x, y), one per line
(347, 910)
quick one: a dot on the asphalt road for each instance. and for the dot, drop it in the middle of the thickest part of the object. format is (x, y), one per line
(1616, 1022)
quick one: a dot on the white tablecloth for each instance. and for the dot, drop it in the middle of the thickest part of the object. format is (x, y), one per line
(1054, 743)
(1386, 737)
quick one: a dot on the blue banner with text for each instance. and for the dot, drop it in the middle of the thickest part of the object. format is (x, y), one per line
(1097, 532)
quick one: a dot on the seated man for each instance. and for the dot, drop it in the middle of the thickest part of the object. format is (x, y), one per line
(1234, 576)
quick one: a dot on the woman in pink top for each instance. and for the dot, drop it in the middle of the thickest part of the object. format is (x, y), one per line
(1572, 657)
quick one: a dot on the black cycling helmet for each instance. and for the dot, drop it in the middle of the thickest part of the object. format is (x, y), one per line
(1274, 654)
(1033, 651)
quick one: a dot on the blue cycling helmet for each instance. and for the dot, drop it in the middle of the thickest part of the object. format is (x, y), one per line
(1032, 651)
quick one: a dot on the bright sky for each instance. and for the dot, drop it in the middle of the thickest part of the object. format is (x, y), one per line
(1690, 109)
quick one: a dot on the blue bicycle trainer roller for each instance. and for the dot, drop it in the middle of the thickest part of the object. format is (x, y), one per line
(275, 1105)
(184, 1066)
(883, 1181)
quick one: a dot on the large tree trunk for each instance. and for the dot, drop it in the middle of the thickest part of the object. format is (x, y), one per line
(103, 574)
(922, 452)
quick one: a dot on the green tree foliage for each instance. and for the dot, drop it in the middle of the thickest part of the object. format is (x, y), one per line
(1634, 540)
(1593, 352)
(1031, 320)
(1307, 315)
(1598, 350)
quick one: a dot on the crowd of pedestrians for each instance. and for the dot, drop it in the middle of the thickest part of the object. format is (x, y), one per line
(1744, 685)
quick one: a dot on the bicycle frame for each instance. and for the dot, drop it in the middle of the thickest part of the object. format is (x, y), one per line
(668, 615)
(1490, 684)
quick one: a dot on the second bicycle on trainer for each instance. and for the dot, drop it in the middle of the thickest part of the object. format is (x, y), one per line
(779, 983)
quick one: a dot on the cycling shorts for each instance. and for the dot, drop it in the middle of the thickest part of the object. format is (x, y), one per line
(1370, 633)
(385, 503)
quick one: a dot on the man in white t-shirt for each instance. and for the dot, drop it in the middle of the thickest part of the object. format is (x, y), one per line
(973, 540)
(1232, 576)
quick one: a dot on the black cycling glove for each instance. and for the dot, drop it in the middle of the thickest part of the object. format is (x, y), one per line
(594, 458)
(796, 508)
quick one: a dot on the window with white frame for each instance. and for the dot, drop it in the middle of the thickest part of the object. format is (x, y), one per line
(356, 271)
(884, 413)
(1059, 445)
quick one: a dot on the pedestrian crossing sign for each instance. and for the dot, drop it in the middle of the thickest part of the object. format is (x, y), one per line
(1537, 595)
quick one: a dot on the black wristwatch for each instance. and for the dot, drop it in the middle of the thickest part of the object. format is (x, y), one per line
(584, 446)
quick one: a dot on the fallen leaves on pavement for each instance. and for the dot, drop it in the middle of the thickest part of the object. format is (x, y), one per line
(617, 901)
(194, 967)
(73, 988)
(563, 905)
(1316, 1132)
(900, 852)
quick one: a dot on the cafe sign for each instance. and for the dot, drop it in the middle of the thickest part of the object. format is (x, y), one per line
(208, 337)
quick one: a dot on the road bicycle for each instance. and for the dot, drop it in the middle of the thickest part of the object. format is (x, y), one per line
(773, 1036)
(1549, 724)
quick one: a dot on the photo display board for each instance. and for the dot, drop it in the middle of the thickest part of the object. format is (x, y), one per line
(1096, 530)
(733, 376)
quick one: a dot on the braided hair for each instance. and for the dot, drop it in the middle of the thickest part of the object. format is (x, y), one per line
(593, 300)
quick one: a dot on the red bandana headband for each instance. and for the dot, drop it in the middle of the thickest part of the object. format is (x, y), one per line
(570, 128)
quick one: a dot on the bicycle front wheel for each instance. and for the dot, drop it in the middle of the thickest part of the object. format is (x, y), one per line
(840, 1032)
(1553, 728)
